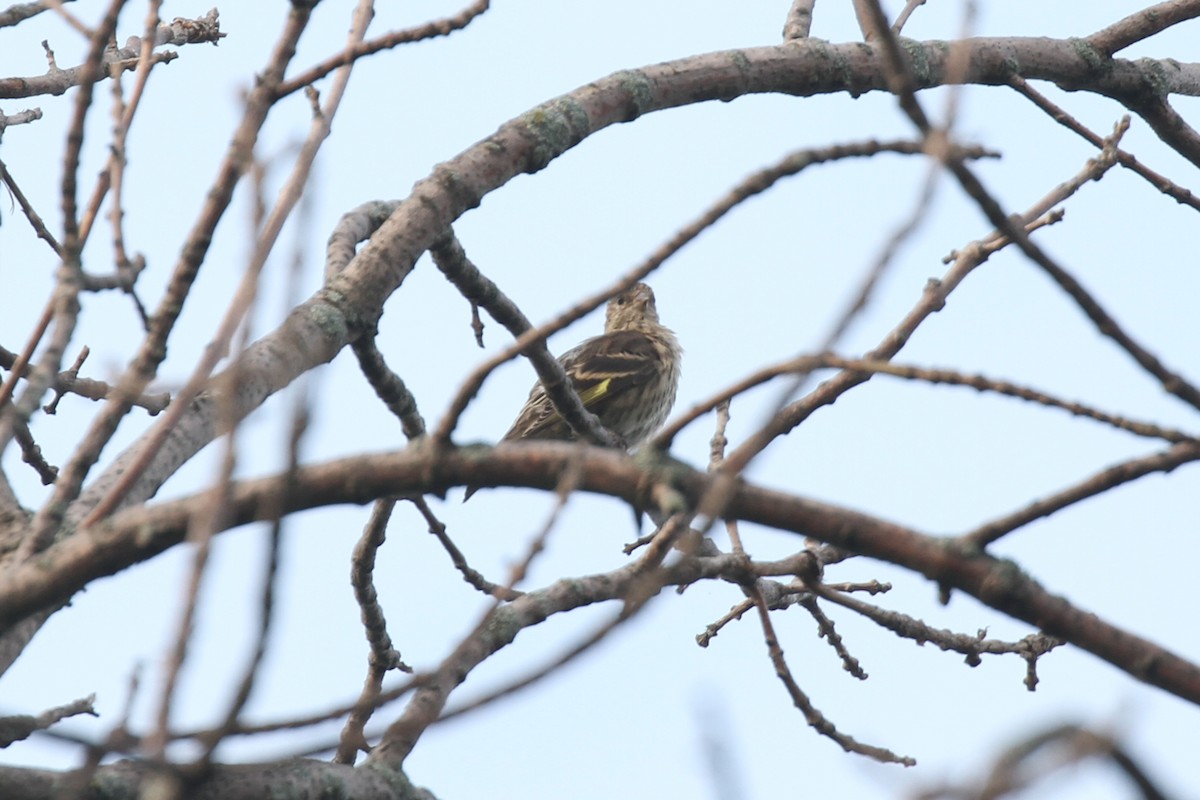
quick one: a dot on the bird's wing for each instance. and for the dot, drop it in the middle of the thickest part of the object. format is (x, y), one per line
(600, 369)
(609, 365)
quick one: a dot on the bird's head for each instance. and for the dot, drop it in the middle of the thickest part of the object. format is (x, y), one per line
(632, 308)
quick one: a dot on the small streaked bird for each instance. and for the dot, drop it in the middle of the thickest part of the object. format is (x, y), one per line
(627, 376)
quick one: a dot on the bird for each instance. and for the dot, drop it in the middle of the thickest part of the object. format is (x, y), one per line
(627, 376)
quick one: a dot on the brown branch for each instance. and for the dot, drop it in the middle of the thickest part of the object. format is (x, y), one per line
(428, 30)
(289, 196)
(16, 14)
(754, 591)
(1018, 767)
(114, 60)
(357, 226)
(982, 383)
(128, 779)
(35, 220)
(904, 626)
(1151, 101)
(787, 417)
(905, 13)
(383, 655)
(146, 61)
(814, 717)
(869, 25)
(351, 303)
(9, 415)
(48, 520)
(389, 387)
(266, 607)
(471, 575)
(72, 21)
(1127, 471)
(1142, 25)
(1171, 381)
(1124, 158)
(933, 299)
(296, 723)
(62, 311)
(127, 269)
(799, 20)
(17, 728)
(139, 533)
(635, 584)
(69, 382)
(828, 631)
(31, 454)
(551, 667)
(451, 259)
(902, 84)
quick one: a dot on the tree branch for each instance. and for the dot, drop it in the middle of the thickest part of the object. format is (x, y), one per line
(140, 533)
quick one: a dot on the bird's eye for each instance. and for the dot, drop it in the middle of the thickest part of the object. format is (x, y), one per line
(622, 300)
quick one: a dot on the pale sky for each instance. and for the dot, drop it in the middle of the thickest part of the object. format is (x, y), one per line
(629, 718)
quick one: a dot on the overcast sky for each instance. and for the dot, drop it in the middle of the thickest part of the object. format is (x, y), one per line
(630, 719)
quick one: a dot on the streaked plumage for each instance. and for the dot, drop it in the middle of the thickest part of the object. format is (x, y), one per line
(627, 376)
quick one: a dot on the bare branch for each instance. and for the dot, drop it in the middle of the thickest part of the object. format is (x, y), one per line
(14, 729)
(799, 20)
(289, 196)
(129, 779)
(1142, 25)
(16, 14)
(1159, 181)
(815, 718)
(1164, 462)
(905, 13)
(383, 655)
(525, 144)
(450, 257)
(114, 60)
(907, 627)
(428, 30)
(139, 533)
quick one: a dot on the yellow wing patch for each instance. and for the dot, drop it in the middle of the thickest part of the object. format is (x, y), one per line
(594, 393)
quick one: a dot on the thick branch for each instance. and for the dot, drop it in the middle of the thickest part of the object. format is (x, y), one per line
(129, 780)
(137, 534)
(352, 302)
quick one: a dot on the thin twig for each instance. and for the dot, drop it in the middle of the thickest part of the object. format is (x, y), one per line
(471, 575)
(144, 366)
(266, 609)
(35, 220)
(906, 627)
(428, 30)
(815, 718)
(288, 198)
(1102, 481)
(383, 656)
(1124, 158)
(15, 15)
(901, 83)
(905, 13)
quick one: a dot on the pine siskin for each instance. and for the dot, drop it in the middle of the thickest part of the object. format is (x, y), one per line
(627, 376)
